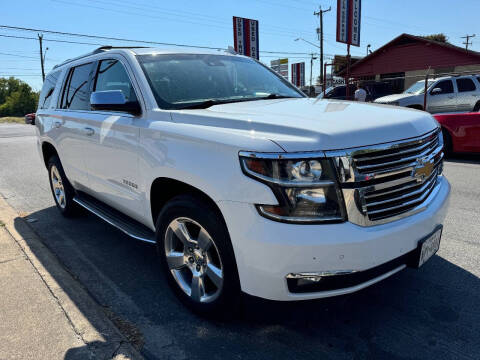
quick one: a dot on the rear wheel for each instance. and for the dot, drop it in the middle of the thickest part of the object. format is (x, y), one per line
(62, 190)
(196, 256)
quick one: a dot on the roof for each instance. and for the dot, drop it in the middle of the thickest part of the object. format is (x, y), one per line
(408, 37)
(141, 50)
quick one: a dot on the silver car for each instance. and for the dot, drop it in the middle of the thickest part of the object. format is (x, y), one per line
(446, 94)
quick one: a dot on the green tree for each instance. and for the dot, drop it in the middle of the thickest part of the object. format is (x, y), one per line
(17, 98)
(437, 37)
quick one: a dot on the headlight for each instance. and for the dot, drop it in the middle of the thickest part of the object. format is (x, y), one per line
(305, 187)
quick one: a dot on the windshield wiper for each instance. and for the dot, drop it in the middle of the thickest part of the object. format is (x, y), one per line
(210, 102)
(273, 96)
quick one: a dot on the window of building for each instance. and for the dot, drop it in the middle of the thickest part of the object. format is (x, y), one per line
(76, 94)
(47, 90)
(465, 84)
(113, 76)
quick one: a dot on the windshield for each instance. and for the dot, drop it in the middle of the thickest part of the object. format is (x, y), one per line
(181, 80)
(418, 87)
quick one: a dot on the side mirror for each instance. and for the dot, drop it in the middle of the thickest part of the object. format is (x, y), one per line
(113, 100)
(436, 91)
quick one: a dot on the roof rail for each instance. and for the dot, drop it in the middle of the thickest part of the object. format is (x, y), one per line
(97, 51)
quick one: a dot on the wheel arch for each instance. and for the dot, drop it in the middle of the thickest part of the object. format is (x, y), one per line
(415, 106)
(164, 189)
(48, 150)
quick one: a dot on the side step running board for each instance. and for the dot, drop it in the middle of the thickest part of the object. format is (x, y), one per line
(129, 226)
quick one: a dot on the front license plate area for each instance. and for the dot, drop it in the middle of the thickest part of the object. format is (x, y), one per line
(429, 246)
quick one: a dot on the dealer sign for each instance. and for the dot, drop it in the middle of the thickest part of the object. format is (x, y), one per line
(245, 36)
(348, 21)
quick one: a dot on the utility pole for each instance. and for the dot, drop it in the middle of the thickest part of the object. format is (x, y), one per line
(467, 37)
(320, 37)
(40, 39)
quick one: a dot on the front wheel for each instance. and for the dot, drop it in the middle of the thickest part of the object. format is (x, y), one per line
(196, 256)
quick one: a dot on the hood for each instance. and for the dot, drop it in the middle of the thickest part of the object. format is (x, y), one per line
(306, 124)
(394, 97)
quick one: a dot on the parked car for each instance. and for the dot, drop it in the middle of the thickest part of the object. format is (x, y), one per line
(376, 89)
(446, 94)
(339, 92)
(241, 181)
(30, 119)
(461, 132)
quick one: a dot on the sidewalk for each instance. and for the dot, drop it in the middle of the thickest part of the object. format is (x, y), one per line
(47, 314)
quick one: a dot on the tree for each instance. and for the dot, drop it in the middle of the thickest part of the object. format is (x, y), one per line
(437, 37)
(17, 98)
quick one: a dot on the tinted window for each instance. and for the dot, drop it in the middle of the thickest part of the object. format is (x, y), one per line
(113, 76)
(47, 90)
(465, 85)
(445, 85)
(77, 94)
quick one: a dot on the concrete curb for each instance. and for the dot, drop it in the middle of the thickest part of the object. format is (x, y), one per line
(87, 318)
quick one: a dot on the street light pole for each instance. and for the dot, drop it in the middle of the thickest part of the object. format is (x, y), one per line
(311, 68)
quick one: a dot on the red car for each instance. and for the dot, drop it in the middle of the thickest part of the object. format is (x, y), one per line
(461, 132)
(30, 119)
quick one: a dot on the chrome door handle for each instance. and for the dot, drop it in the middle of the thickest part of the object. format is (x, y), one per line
(89, 131)
(57, 124)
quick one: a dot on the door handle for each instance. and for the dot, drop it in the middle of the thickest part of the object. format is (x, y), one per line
(57, 124)
(89, 131)
(450, 97)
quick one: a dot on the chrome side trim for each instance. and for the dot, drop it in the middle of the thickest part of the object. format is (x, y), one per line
(112, 222)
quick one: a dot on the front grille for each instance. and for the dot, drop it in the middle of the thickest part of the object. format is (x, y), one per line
(396, 179)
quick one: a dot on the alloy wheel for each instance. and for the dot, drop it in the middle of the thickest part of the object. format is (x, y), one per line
(193, 260)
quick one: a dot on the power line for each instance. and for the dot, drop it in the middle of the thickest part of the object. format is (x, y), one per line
(62, 33)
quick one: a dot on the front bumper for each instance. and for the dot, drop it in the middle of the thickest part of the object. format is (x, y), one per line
(267, 251)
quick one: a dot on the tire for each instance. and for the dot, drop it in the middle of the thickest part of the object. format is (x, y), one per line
(447, 142)
(476, 108)
(204, 278)
(62, 191)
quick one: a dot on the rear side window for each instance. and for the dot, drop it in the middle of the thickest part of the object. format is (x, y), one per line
(113, 76)
(76, 94)
(465, 84)
(47, 90)
(446, 86)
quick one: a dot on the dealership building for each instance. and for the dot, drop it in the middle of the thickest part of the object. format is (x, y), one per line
(406, 59)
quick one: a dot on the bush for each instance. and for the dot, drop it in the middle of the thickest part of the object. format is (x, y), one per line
(17, 98)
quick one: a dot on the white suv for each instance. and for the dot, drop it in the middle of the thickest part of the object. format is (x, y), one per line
(241, 181)
(445, 94)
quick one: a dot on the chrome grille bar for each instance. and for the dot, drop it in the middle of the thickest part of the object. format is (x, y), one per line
(389, 181)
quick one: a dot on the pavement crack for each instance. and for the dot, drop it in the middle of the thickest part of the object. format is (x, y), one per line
(116, 350)
(9, 260)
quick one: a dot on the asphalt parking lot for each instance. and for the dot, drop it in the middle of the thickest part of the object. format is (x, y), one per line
(431, 313)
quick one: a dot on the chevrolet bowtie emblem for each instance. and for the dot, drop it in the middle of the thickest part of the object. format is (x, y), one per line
(423, 169)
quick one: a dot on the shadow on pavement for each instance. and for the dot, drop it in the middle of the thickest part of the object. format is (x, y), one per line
(431, 313)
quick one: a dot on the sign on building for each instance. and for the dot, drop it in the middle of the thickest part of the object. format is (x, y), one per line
(298, 74)
(348, 21)
(280, 66)
(245, 36)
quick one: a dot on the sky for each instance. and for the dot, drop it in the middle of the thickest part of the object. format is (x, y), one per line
(209, 23)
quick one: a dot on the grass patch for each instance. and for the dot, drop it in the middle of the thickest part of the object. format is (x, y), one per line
(12, 119)
(2, 224)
